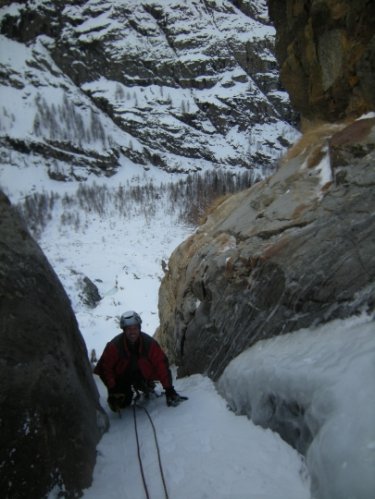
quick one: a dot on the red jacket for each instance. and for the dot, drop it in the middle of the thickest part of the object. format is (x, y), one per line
(151, 361)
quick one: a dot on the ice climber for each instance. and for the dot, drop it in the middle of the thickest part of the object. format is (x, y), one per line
(132, 362)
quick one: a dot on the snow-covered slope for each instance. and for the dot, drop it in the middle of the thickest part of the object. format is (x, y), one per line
(181, 85)
(206, 452)
(46, 119)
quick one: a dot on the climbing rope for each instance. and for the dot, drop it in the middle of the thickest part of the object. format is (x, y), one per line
(135, 407)
(139, 452)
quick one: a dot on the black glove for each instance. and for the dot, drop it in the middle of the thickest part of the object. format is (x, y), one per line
(116, 401)
(172, 397)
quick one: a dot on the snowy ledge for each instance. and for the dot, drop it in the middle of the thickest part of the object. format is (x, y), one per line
(316, 387)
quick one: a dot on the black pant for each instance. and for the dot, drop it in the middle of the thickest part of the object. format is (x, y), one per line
(128, 385)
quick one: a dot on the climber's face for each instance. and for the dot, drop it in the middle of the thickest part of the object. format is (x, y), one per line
(132, 333)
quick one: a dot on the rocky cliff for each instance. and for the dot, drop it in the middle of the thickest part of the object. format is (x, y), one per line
(180, 85)
(326, 51)
(296, 249)
(50, 420)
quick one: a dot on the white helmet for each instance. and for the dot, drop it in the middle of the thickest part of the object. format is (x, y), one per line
(130, 318)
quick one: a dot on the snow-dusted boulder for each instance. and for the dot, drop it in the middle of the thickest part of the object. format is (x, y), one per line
(51, 420)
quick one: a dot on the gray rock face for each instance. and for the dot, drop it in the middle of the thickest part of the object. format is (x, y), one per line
(295, 250)
(50, 417)
(181, 85)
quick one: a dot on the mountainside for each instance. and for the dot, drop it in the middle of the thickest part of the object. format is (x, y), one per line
(180, 85)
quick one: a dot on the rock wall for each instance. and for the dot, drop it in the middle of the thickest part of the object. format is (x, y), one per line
(326, 52)
(50, 417)
(296, 249)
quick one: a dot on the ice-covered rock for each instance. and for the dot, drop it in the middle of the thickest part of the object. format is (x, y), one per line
(316, 388)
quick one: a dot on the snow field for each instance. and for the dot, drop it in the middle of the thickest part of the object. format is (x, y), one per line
(206, 451)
